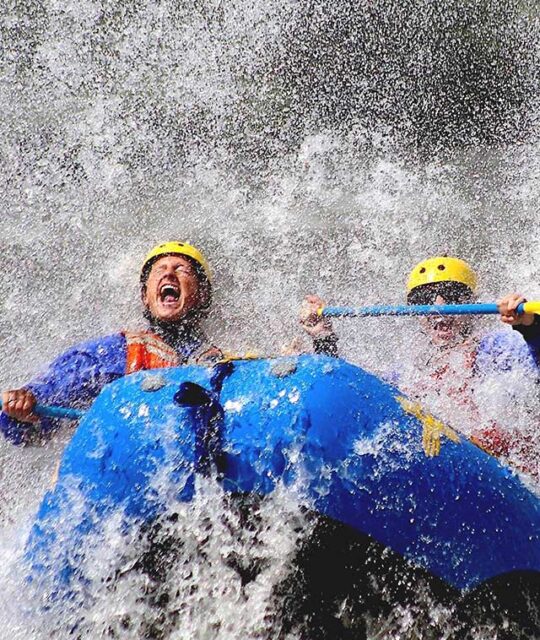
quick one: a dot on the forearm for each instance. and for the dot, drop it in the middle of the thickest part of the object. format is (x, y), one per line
(18, 432)
(77, 377)
(47, 390)
(72, 380)
(326, 345)
(531, 335)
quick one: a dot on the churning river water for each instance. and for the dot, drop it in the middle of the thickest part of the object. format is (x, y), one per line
(305, 147)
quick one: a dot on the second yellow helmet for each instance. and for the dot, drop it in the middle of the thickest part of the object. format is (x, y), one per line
(442, 269)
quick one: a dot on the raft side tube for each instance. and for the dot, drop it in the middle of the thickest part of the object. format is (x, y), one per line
(344, 441)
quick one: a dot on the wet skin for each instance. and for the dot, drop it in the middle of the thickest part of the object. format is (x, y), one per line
(172, 289)
(449, 331)
(446, 331)
(507, 308)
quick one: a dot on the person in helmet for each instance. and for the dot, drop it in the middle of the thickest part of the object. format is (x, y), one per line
(176, 293)
(444, 372)
(441, 280)
(449, 280)
(459, 356)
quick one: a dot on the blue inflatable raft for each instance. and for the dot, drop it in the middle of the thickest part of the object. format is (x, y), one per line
(348, 445)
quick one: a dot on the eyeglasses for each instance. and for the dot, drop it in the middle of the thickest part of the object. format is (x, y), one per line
(452, 292)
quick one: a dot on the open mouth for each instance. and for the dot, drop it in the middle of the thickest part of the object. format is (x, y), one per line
(169, 293)
(441, 326)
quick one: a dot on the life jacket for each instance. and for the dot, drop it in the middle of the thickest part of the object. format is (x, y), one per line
(519, 451)
(451, 375)
(146, 350)
(444, 380)
(493, 440)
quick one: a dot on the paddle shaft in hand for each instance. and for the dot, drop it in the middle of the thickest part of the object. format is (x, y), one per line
(423, 310)
(56, 412)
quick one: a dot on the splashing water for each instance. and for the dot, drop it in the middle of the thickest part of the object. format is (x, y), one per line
(306, 147)
(208, 573)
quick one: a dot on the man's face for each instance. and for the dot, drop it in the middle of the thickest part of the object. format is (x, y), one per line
(445, 331)
(172, 289)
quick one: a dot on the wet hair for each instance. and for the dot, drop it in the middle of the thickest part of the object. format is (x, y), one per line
(453, 293)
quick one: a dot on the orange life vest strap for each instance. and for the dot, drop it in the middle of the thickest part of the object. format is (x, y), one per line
(145, 350)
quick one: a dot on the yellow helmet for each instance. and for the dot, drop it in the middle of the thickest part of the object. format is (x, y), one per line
(441, 269)
(175, 248)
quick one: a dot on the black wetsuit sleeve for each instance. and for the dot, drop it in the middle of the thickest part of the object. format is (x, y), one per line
(327, 346)
(531, 335)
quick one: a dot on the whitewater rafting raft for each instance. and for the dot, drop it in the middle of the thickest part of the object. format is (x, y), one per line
(348, 445)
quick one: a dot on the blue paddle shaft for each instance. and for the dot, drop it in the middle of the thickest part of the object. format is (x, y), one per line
(414, 310)
(56, 412)
(339, 312)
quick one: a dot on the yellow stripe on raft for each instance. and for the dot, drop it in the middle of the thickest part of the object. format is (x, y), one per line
(432, 429)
